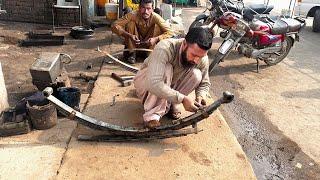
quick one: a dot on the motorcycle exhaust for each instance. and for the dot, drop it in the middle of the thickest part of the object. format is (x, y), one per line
(255, 53)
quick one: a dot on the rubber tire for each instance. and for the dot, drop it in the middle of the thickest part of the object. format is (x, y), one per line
(216, 60)
(290, 43)
(80, 32)
(316, 21)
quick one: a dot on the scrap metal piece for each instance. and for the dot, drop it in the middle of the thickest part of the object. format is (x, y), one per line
(14, 128)
(134, 131)
(48, 70)
(150, 136)
(122, 64)
(53, 41)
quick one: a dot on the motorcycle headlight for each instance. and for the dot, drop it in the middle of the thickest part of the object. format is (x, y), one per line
(241, 27)
(209, 5)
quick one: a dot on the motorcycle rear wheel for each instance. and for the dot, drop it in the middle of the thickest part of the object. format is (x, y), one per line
(274, 59)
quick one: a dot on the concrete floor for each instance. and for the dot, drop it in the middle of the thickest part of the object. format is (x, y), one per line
(56, 153)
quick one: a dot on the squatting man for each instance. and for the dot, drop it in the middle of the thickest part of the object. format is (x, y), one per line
(172, 71)
(141, 29)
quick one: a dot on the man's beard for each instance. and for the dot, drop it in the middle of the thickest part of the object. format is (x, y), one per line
(184, 60)
(146, 16)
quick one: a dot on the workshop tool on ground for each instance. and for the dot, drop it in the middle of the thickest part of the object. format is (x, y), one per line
(124, 80)
(121, 133)
(123, 64)
(114, 99)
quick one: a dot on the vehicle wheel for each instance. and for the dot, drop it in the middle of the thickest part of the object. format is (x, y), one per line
(316, 21)
(275, 58)
(216, 60)
(80, 32)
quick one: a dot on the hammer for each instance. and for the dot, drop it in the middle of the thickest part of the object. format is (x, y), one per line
(124, 80)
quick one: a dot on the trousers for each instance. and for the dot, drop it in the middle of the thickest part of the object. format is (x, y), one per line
(156, 107)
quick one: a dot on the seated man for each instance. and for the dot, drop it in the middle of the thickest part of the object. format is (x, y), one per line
(173, 70)
(141, 29)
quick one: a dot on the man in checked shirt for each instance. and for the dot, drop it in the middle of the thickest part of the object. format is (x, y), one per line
(172, 71)
(141, 29)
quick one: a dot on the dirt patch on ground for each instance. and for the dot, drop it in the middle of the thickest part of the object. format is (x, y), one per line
(272, 154)
(17, 60)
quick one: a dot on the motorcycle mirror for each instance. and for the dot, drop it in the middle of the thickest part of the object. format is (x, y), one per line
(209, 5)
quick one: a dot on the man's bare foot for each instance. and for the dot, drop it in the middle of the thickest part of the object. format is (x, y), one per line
(152, 124)
(174, 112)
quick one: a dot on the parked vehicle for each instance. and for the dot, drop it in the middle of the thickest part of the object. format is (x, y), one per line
(309, 8)
(216, 8)
(255, 35)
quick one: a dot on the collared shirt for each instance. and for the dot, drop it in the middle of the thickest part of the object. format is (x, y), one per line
(143, 26)
(168, 51)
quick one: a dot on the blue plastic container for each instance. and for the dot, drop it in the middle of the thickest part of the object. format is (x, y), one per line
(70, 96)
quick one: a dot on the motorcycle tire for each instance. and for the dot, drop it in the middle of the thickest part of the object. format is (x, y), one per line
(216, 60)
(284, 54)
(316, 21)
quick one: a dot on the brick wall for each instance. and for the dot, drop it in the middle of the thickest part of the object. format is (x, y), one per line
(37, 11)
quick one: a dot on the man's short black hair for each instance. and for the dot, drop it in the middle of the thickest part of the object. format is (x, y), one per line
(201, 36)
(145, 2)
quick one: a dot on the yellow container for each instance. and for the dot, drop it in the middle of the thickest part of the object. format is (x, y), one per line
(111, 11)
(101, 3)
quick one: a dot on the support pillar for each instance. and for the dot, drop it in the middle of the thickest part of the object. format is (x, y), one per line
(3, 92)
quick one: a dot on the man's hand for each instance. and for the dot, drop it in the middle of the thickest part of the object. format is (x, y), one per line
(189, 104)
(201, 101)
(152, 41)
(135, 39)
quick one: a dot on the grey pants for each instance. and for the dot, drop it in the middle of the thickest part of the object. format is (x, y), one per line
(156, 107)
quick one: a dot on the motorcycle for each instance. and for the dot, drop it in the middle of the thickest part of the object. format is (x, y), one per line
(217, 7)
(255, 36)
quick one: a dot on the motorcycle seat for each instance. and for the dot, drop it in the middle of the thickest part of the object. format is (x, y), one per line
(251, 10)
(285, 25)
(294, 25)
(279, 27)
(259, 8)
